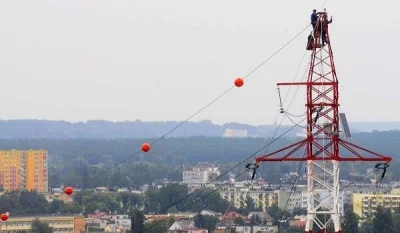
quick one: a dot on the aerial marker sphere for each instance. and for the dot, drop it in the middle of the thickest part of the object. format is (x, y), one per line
(146, 147)
(239, 82)
(68, 190)
(4, 217)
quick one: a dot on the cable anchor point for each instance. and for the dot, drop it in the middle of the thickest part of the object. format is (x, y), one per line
(252, 167)
(381, 166)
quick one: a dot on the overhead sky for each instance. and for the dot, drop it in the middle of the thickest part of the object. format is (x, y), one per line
(159, 60)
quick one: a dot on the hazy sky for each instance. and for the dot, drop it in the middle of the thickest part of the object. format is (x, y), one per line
(78, 60)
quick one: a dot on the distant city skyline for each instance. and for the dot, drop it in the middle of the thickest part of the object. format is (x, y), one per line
(165, 60)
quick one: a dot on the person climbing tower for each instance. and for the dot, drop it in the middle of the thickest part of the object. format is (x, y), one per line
(314, 18)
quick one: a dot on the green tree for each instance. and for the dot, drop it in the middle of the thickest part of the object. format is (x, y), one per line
(71, 208)
(169, 198)
(137, 221)
(152, 200)
(205, 221)
(128, 199)
(350, 223)
(55, 206)
(173, 193)
(383, 222)
(99, 201)
(367, 226)
(396, 221)
(54, 177)
(207, 199)
(9, 203)
(84, 171)
(250, 206)
(120, 179)
(33, 203)
(79, 196)
(40, 227)
(277, 214)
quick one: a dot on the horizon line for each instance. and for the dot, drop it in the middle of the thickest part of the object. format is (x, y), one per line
(164, 121)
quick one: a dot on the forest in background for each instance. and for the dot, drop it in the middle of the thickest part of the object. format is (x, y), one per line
(87, 163)
(100, 129)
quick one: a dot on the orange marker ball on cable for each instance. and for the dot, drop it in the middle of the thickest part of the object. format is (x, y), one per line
(146, 147)
(68, 190)
(4, 217)
(239, 82)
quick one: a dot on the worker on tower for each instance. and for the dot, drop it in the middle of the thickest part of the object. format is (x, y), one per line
(324, 28)
(314, 18)
(310, 41)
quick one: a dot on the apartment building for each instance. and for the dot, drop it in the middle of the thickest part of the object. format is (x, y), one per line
(200, 174)
(24, 170)
(12, 170)
(235, 133)
(365, 204)
(261, 196)
(60, 224)
(283, 196)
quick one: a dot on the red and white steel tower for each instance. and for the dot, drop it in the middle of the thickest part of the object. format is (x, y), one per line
(323, 145)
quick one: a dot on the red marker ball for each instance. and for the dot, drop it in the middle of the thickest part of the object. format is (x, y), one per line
(68, 190)
(146, 147)
(239, 82)
(4, 217)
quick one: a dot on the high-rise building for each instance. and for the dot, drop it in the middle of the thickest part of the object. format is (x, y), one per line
(12, 169)
(24, 170)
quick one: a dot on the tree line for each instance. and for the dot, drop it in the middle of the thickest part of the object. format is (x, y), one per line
(167, 199)
(86, 163)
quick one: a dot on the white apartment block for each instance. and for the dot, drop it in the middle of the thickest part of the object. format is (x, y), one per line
(264, 198)
(200, 174)
(261, 197)
(235, 133)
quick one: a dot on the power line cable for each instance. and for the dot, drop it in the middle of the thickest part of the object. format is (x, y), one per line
(256, 152)
(284, 101)
(238, 164)
(214, 100)
(207, 105)
(264, 146)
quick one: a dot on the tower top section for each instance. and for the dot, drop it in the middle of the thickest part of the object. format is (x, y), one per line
(323, 133)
